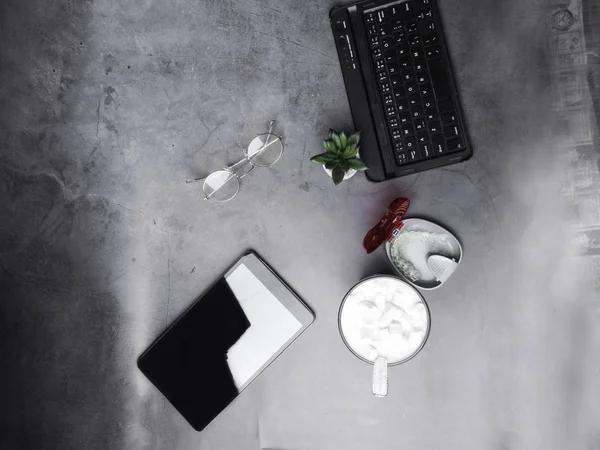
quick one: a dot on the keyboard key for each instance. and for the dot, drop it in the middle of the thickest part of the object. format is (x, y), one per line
(397, 25)
(426, 89)
(422, 76)
(449, 118)
(408, 75)
(397, 134)
(399, 93)
(385, 87)
(377, 53)
(429, 102)
(426, 150)
(399, 37)
(401, 159)
(417, 113)
(412, 28)
(381, 17)
(387, 43)
(388, 99)
(382, 75)
(416, 52)
(421, 15)
(414, 155)
(393, 122)
(439, 145)
(430, 39)
(414, 100)
(414, 40)
(434, 127)
(427, 26)
(393, 68)
(370, 18)
(408, 10)
(439, 78)
(389, 56)
(455, 144)
(380, 64)
(410, 143)
(411, 88)
(398, 146)
(374, 41)
(395, 11)
(445, 106)
(403, 51)
(433, 52)
(420, 125)
(422, 137)
(420, 64)
(431, 114)
(425, 2)
(451, 132)
(404, 62)
(404, 117)
(390, 111)
(428, 13)
(407, 130)
(385, 30)
(397, 84)
(372, 30)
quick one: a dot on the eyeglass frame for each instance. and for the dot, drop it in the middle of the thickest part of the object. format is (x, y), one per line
(234, 171)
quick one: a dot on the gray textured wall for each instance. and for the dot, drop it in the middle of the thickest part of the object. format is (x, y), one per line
(106, 107)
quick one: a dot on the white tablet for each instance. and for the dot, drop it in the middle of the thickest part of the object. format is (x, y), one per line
(225, 340)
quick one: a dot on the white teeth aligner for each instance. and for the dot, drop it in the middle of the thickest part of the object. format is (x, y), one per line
(405, 266)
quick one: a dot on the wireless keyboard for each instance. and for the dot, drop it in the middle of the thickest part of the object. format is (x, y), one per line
(397, 52)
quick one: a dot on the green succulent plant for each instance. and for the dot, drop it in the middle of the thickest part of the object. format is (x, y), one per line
(340, 155)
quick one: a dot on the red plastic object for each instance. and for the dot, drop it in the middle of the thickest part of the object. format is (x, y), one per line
(387, 226)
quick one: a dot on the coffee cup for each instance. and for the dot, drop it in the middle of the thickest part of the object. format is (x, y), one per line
(384, 321)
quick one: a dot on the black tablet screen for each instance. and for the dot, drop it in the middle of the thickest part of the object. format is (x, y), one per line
(189, 362)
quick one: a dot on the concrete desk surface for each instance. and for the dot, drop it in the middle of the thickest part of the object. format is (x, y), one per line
(108, 106)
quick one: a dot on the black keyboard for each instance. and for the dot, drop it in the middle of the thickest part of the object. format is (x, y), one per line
(400, 86)
(414, 81)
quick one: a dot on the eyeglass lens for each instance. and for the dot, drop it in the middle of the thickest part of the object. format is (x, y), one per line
(221, 186)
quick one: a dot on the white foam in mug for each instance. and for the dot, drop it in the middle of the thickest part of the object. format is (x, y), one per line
(384, 316)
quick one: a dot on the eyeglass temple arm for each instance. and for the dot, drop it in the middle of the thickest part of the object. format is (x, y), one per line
(194, 180)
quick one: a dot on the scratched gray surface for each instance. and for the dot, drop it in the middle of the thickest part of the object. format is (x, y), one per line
(107, 106)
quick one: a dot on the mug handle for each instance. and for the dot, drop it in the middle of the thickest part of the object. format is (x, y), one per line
(380, 376)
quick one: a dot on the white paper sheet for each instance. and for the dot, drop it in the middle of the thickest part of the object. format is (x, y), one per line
(272, 325)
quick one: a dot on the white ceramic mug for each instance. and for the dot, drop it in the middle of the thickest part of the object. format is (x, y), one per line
(384, 321)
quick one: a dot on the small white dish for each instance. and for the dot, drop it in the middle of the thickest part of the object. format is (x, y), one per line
(418, 251)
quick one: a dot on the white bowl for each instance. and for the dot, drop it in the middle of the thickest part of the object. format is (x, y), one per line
(417, 251)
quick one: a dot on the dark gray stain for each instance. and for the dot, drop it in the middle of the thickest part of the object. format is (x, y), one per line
(110, 126)
(109, 63)
(111, 95)
(65, 85)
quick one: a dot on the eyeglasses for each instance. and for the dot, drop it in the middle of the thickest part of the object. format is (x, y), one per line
(264, 151)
